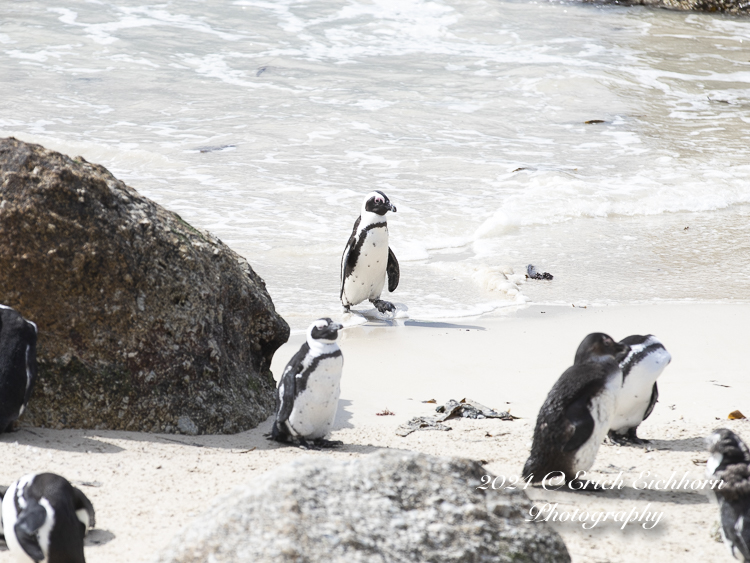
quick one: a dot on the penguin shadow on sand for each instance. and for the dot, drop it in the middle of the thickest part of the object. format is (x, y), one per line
(372, 317)
(696, 444)
(93, 538)
(61, 440)
(98, 537)
(343, 415)
(626, 495)
(375, 320)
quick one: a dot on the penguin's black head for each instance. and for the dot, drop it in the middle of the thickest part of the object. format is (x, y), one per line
(325, 330)
(598, 346)
(726, 448)
(377, 202)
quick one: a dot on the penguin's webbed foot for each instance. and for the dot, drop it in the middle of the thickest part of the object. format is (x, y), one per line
(383, 306)
(629, 438)
(305, 445)
(323, 443)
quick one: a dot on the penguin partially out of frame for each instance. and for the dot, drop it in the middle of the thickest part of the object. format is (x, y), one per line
(729, 461)
(45, 519)
(18, 367)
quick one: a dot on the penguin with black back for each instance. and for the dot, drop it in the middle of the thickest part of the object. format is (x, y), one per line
(729, 461)
(45, 519)
(308, 393)
(638, 395)
(576, 415)
(367, 258)
(18, 367)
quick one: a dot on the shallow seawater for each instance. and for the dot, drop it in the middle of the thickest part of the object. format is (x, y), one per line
(606, 145)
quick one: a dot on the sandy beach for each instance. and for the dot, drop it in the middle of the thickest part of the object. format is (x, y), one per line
(145, 487)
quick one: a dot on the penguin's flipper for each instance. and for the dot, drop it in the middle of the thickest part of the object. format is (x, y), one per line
(393, 271)
(346, 266)
(82, 502)
(31, 369)
(29, 521)
(652, 402)
(580, 418)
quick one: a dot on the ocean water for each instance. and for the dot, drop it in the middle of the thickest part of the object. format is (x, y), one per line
(606, 145)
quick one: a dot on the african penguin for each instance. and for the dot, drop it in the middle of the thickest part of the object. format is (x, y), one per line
(638, 394)
(308, 394)
(45, 519)
(17, 365)
(576, 415)
(367, 258)
(729, 461)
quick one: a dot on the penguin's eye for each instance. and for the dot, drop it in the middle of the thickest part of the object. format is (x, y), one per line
(378, 200)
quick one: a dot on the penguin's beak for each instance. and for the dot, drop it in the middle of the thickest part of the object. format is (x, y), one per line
(392, 207)
(336, 326)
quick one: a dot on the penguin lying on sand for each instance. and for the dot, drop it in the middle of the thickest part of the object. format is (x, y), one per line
(17, 365)
(730, 462)
(367, 258)
(308, 394)
(45, 519)
(576, 415)
(638, 395)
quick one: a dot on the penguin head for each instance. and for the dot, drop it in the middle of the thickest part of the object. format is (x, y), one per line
(324, 331)
(726, 448)
(377, 202)
(598, 346)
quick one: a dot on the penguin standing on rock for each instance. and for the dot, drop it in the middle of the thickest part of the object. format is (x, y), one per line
(636, 399)
(367, 258)
(730, 462)
(17, 365)
(576, 415)
(308, 394)
(45, 519)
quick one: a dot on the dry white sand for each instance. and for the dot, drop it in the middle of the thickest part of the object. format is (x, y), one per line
(145, 487)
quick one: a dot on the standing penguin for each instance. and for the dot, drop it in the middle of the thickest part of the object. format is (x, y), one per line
(308, 394)
(17, 365)
(576, 415)
(730, 462)
(45, 519)
(367, 258)
(636, 399)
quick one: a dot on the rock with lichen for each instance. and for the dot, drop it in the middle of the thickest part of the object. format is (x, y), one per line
(733, 7)
(383, 507)
(145, 322)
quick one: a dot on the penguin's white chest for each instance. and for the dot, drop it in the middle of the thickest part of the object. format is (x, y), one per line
(315, 408)
(602, 408)
(367, 279)
(635, 394)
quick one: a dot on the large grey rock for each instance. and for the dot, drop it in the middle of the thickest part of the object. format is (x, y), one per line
(734, 7)
(387, 507)
(145, 323)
